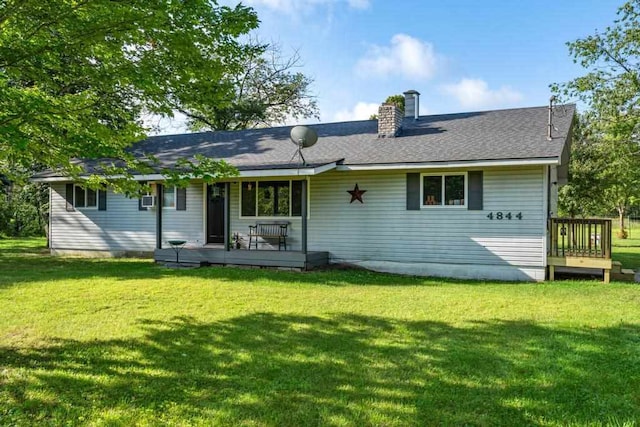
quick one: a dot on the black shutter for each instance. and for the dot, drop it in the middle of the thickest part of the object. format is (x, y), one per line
(140, 208)
(181, 199)
(69, 197)
(102, 200)
(413, 191)
(475, 191)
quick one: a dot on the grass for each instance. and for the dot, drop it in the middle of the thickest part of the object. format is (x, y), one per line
(627, 251)
(125, 342)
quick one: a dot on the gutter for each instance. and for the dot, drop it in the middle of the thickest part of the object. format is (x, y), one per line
(310, 171)
(249, 173)
(445, 165)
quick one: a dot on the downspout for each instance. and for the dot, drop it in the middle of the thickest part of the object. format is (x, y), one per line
(159, 197)
(227, 215)
(548, 192)
(49, 216)
(304, 218)
(548, 233)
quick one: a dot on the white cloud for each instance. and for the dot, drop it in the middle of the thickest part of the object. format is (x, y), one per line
(294, 6)
(405, 56)
(359, 4)
(361, 111)
(475, 93)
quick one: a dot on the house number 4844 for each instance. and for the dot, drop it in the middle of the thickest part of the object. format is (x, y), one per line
(504, 215)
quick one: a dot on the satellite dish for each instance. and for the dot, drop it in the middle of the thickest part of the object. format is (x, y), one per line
(303, 136)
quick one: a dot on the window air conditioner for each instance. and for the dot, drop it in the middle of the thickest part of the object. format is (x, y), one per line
(148, 201)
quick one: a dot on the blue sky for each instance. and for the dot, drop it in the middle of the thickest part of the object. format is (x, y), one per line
(461, 55)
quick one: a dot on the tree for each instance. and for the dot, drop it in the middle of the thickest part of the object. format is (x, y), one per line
(582, 196)
(267, 92)
(603, 175)
(611, 88)
(611, 91)
(76, 76)
(23, 209)
(397, 100)
(622, 176)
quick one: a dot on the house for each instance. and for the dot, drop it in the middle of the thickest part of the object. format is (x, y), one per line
(461, 195)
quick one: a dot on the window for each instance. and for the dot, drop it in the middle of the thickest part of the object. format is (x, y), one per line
(84, 197)
(271, 198)
(296, 198)
(444, 190)
(432, 190)
(169, 197)
(249, 198)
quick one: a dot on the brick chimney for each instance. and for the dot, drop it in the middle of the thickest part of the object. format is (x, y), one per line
(389, 121)
(412, 104)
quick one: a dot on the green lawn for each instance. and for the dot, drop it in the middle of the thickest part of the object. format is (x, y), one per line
(627, 251)
(125, 342)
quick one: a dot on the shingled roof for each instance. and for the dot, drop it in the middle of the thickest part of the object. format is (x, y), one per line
(500, 135)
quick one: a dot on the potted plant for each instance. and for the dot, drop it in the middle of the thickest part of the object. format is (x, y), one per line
(236, 241)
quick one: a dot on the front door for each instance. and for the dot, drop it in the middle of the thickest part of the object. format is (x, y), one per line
(215, 213)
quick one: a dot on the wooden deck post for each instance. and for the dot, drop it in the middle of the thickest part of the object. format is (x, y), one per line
(580, 243)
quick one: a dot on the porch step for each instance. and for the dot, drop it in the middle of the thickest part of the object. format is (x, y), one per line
(616, 267)
(626, 275)
(182, 264)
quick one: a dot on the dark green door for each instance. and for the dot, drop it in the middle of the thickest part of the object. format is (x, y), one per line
(215, 213)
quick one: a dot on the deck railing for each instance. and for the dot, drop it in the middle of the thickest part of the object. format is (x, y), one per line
(576, 237)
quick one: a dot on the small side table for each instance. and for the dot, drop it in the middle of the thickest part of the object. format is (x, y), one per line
(177, 246)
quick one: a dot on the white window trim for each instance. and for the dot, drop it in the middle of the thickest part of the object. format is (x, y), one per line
(85, 207)
(175, 198)
(151, 192)
(275, 218)
(444, 206)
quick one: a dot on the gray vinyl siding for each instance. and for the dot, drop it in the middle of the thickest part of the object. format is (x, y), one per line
(122, 227)
(241, 225)
(382, 229)
(188, 224)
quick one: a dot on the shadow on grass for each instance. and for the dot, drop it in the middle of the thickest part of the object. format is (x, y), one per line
(27, 260)
(20, 268)
(628, 256)
(24, 249)
(269, 369)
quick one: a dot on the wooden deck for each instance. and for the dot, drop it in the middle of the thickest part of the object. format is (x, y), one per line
(261, 258)
(580, 243)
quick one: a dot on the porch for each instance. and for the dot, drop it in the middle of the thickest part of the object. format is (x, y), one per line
(260, 258)
(218, 231)
(580, 243)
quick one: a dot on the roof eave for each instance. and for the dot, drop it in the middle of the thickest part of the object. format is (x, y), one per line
(245, 173)
(542, 161)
